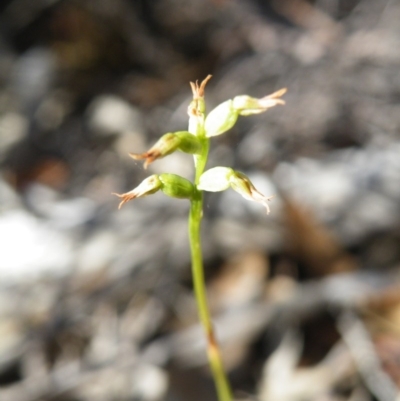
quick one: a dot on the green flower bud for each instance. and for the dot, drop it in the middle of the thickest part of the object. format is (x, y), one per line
(215, 180)
(188, 142)
(221, 119)
(246, 105)
(221, 178)
(147, 187)
(175, 186)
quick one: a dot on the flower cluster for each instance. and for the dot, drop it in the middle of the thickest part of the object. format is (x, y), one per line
(194, 141)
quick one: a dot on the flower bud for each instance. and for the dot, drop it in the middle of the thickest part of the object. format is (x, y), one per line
(147, 187)
(246, 105)
(242, 184)
(188, 142)
(171, 184)
(167, 144)
(221, 119)
(197, 107)
(215, 180)
(176, 186)
(224, 116)
(221, 178)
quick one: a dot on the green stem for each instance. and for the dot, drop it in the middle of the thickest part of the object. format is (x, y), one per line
(195, 216)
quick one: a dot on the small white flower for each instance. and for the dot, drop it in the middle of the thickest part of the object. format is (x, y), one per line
(147, 187)
(221, 178)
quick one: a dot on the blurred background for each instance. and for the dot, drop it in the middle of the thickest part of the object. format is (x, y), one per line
(96, 304)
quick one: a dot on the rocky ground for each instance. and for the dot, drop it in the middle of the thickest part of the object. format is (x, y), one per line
(96, 303)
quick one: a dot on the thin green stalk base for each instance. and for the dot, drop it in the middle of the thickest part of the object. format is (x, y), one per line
(214, 356)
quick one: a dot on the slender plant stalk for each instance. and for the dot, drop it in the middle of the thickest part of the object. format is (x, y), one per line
(195, 216)
(196, 141)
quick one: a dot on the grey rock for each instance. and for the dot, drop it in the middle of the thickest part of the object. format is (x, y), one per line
(111, 115)
(31, 249)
